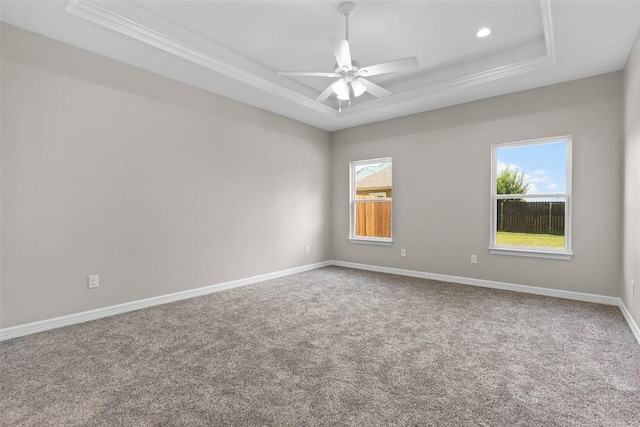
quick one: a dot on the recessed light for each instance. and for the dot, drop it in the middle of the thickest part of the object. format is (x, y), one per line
(483, 32)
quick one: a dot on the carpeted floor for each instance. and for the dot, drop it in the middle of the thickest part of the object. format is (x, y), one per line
(332, 347)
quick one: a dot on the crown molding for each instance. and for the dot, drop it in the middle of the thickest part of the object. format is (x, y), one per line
(122, 25)
(502, 72)
(547, 24)
(459, 83)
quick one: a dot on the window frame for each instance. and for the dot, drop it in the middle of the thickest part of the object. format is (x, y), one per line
(353, 238)
(537, 252)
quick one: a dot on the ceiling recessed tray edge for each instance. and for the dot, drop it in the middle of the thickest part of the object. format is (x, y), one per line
(115, 22)
(122, 25)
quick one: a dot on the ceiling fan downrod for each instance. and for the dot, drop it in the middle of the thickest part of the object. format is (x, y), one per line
(347, 9)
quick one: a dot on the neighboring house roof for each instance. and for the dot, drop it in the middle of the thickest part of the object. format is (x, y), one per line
(370, 170)
(378, 177)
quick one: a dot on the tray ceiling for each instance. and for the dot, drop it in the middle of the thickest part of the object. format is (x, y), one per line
(235, 48)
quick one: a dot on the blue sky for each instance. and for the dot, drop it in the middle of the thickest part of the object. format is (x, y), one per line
(543, 165)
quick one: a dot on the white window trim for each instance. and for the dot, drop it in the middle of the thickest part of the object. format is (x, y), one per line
(352, 205)
(564, 253)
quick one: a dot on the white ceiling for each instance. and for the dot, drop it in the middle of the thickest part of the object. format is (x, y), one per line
(234, 48)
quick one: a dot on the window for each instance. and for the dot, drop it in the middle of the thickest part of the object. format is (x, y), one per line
(370, 201)
(531, 198)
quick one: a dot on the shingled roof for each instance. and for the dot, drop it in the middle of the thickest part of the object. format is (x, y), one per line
(378, 176)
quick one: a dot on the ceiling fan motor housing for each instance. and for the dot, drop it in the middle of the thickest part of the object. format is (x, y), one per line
(355, 65)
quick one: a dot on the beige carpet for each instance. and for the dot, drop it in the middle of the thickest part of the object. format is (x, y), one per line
(332, 347)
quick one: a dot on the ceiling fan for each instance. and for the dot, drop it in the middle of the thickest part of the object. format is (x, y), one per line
(351, 81)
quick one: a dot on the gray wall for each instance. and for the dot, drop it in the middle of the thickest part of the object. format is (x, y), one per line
(154, 185)
(631, 240)
(160, 187)
(441, 185)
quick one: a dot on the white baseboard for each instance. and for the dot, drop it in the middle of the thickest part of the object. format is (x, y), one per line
(85, 316)
(578, 296)
(632, 323)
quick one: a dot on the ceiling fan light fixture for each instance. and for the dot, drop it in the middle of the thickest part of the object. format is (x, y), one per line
(341, 88)
(358, 88)
(344, 96)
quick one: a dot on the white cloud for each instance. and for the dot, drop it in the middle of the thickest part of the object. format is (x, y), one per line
(502, 166)
(538, 175)
(541, 177)
(539, 180)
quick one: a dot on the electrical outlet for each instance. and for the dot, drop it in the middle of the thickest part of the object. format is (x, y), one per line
(306, 249)
(403, 252)
(94, 281)
(474, 259)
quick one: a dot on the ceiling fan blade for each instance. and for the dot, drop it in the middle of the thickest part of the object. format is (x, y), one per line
(374, 89)
(342, 53)
(326, 93)
(306, 74)
(404, 64)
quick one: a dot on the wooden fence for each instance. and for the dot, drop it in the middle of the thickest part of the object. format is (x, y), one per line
(373, 219)
(531, 217)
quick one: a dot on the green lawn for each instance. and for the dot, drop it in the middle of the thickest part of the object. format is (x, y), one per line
(526, 239)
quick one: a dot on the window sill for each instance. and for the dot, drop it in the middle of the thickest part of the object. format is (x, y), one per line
(371, 241)
(531, 253)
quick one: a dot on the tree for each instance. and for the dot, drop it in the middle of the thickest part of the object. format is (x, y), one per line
(511, 181)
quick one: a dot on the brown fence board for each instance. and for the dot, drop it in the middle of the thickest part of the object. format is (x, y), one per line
(530, 217)
(373, 219)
